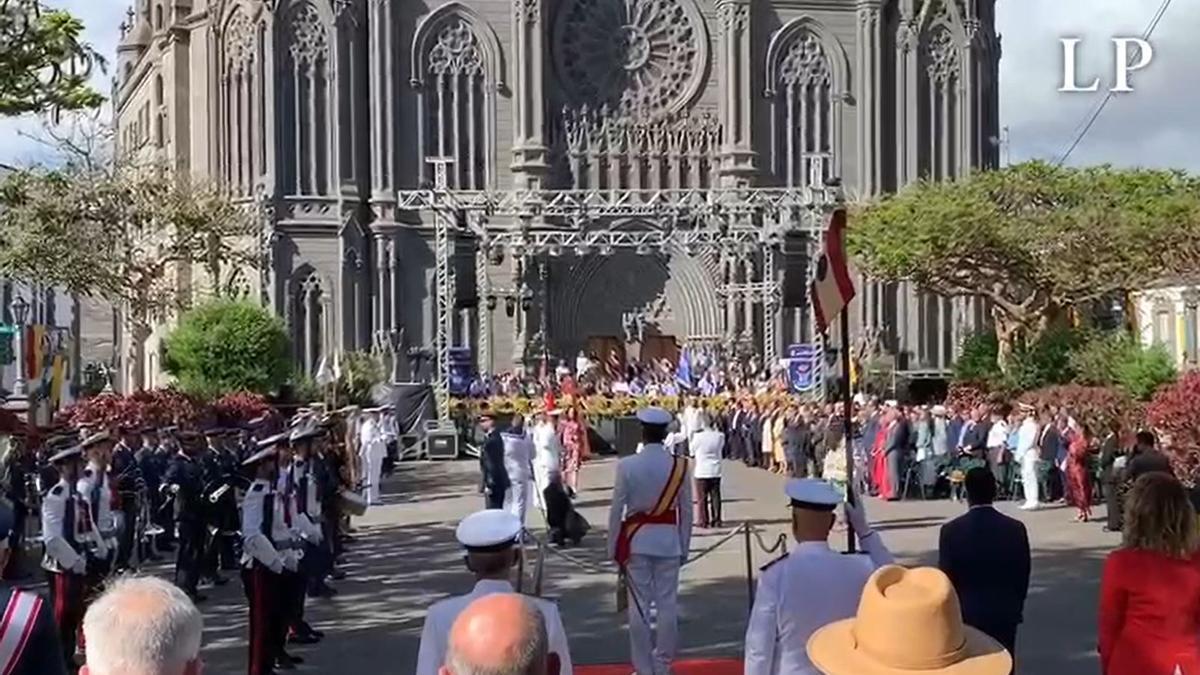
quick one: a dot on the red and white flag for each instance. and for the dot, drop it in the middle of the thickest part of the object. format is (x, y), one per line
(832, 288)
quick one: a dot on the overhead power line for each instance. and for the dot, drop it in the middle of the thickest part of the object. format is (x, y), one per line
(1090, 120)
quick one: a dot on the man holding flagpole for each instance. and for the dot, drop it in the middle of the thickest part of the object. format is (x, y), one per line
(832, 290)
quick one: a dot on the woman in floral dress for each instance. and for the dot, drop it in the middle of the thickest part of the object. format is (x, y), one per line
(575, 447)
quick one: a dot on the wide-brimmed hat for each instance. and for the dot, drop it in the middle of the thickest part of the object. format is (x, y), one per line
(909, 623)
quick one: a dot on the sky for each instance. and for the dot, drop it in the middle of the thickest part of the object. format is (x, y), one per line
(1153, 126)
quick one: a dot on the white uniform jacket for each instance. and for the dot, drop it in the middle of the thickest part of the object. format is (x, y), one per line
(94, 488)
(639, 483)
(801, 592)
(61, 554)
(441, 616)
(256, 544)
(707, 447)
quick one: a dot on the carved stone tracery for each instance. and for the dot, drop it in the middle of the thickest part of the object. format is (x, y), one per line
(645, 57)
(942, 55)
(456, 51)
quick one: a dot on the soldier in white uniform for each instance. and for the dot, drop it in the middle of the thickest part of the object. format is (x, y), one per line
(372, 448)
(490, 538)
(547, 454)
(262, 562)
(95, 489)
(66, 532)
(518, 463)
(810, 587)
(649, 534)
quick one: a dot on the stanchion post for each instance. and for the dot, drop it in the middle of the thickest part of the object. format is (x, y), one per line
(749, 569)
(847, 428)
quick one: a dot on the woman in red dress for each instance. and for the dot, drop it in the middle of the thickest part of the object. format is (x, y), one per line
(575, 447)
(879, 474)
(1079, 476)
(1150, 589)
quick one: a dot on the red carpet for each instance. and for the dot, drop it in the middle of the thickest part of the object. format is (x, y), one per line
(690, 667)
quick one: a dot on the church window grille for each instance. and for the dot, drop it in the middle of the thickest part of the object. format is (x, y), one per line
(802, 109)
(237, 96)
(306, 101)
(308, 323)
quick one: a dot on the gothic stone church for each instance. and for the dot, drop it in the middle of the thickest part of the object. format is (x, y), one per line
(316, 113)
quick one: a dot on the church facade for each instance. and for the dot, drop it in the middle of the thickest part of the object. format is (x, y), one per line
(317, 114)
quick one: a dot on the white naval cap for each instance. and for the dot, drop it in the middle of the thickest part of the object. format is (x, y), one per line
(812, 494)
(892, 403)
(488, 530)
(270, 452)
(72, 452)
(272, 441)
(654, 416)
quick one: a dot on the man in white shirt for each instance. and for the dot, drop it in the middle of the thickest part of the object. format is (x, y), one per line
(490, 538)
(997, 444)
(812, 586)
(547, 454)
(1028, 453)
(708, 445)
(518, 463)
(649, 534)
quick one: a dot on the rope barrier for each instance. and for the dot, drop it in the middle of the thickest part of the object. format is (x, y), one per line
(715, 546)
(780, 541)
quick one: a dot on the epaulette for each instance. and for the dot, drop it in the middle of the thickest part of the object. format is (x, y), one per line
(257, 488)
(56, 490)
(771, 564)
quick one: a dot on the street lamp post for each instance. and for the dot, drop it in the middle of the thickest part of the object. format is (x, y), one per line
(20, 312)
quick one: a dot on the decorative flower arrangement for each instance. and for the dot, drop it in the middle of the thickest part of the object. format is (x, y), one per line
(608, 406)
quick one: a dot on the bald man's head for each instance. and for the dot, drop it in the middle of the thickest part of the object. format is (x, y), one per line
(500, 634)
(142, 626)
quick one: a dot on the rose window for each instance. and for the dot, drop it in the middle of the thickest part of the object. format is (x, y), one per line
(645, 56)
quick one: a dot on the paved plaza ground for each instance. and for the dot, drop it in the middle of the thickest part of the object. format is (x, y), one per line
(405, 558)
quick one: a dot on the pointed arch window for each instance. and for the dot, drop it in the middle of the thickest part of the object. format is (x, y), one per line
(307, 318)
(941, 103)
(241, 71)
(456, 73)
(804, 78)
(305, 101)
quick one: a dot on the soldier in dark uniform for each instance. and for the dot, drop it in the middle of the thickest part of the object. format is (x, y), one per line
(162, 513)
(127, 480)
(20, 470)
(221, 477)
(491, 463)
(41, 652)
(151, 468)
(184, 482)
(66, 532)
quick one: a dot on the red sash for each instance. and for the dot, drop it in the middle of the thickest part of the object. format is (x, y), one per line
(663, 513)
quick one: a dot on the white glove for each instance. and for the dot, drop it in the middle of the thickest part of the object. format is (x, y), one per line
(80, 566)
(856, 515)
(277, 568)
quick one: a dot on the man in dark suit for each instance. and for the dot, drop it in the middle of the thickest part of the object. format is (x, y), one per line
(974, 441)
(895, 449)
(1049, 442)
(986, 555)
(491, 463)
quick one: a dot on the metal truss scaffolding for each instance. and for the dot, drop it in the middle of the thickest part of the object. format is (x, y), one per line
(547, 222)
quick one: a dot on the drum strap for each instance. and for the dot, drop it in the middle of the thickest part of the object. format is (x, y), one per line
(19, 619)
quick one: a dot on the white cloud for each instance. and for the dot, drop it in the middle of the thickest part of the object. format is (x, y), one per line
(1154, 126)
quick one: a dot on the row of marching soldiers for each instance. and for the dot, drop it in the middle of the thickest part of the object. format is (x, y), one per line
(285, 541)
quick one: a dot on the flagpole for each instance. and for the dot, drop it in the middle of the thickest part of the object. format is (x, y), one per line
(847, 427)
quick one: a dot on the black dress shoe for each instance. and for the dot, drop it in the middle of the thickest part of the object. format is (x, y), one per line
(303, 639)
(219, 581)
(337, 575)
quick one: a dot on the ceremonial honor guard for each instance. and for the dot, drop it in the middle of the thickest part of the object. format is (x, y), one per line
(126, 484)
(221, 477)
(649, 534)
(518, 464)
(66, 529)
(372, 449)
(262, 562)
(95, 489)
(810, 587)
(305, 477)
(292, 583)
(490, 538)
(184, 482)
(29, 642)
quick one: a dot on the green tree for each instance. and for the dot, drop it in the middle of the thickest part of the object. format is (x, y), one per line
(977, 359)
(125, 232)
(44, 62)
(1033, 239)
(361, 373)
(224, 345)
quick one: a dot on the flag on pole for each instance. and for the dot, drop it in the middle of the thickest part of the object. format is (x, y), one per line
(683, 371)
(832, 287)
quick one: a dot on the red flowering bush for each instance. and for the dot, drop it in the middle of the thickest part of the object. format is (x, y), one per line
(964, 396)
(158, 407)
(1097, 407)
(239, 407)
(1174, 413)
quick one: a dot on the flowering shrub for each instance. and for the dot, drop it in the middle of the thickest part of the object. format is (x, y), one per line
(239, 407)
(1097, 407)
(967, 395)
(1174, 413)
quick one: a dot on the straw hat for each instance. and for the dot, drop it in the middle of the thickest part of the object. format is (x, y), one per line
(908, 623)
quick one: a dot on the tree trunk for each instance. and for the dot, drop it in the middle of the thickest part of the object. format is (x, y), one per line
(1007, 332)
(138, 333)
